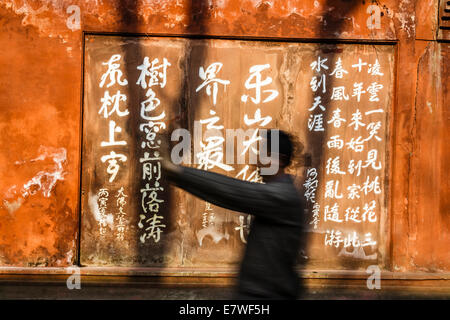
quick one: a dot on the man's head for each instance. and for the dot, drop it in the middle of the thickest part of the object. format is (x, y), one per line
(276, 152)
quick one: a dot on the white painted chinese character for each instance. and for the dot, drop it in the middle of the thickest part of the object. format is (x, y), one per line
(374, 111)
(356, 144)
(112, 130)
(333, 238)
(333, 166)
(151, 103)
(113, 166)
(113, 72)
(255, 73)
(335, 142)
(369, 186)
(352, 214)
(250, 142)
(315, 122)
(157, 73)
(332, 214)
(336, 118)
(371, 158)
(373, 90)
(151, 193)
(368, 240)
(211, 122)
(353, 191)
(374, 69)
(121, 201)
(356, 120)
(107, 100)
(319, 64)
(103, 193)
(315, 212)
(359, 64)
(210, 80)
(373, 127)
(212, 154)
(352, 167)
(263, 120)
(154, 230)
(339, 93)
(254, 176)
(358, 90)
(352, 240)
(331, 189)
(338, 69)
(315, 84)
(369, 213)
(317, 103)
(151, 170)
(151, 129)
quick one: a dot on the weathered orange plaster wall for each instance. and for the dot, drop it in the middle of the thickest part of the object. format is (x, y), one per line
(40, 108)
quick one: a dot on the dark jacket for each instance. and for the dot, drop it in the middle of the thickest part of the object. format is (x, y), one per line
(267, 269)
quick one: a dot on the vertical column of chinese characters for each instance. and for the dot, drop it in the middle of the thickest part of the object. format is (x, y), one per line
(362, 195)
(262, 93)
(333, 173)
(111, 109)
(315, 125)
(211, 154)
(121, 225)
(102, 200)
(152, 75)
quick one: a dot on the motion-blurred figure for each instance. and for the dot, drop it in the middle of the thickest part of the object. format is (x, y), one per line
(268, 267)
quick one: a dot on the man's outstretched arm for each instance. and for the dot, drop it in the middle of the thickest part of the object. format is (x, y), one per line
(237, 195)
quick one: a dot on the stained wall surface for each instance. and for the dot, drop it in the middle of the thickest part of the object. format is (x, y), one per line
(42, 125)
(335, 99)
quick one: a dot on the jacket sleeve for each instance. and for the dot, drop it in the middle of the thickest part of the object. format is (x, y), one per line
(237, 195)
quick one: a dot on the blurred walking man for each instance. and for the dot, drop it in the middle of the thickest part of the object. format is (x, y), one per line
(268, 268)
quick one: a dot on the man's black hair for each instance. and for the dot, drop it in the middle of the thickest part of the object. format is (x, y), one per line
(285, 146)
